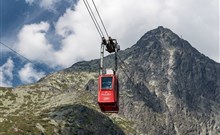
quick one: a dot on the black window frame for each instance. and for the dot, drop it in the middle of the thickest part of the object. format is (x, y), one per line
(107, 88)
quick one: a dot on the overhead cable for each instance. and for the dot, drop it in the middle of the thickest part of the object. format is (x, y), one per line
(129, 78)
(93, 18)
(23, 57)
(100, 18)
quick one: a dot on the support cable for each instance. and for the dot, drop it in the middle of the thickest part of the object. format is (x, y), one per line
(93, 18)
(100, 18)
(24, 57)
(126, 65)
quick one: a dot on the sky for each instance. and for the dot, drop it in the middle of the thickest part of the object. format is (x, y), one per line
(54, 34)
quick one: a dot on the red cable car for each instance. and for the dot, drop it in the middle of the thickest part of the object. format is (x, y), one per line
(108, 94)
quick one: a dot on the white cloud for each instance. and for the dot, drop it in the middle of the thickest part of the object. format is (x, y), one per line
(125, 20)
(29, 75)
(33, 44)
(29, 1)
(46, 4)
(6, 75)
(81, 40)
(196, 21)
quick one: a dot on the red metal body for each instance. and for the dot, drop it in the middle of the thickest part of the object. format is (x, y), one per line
(108, 94)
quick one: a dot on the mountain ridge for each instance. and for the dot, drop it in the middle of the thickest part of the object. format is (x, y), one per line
(160, 29)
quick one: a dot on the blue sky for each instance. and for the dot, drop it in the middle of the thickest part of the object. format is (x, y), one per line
(14, 15)
(55, 34)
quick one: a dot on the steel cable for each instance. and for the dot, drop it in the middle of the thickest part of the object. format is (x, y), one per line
(93, 18)
(100, 18)
(23, 57)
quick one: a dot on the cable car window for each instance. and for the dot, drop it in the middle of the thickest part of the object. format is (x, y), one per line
(106, 82)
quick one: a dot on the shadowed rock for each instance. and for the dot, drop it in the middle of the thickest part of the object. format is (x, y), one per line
(81, 120)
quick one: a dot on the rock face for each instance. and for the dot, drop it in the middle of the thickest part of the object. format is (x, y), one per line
(166, 87)
(177, 86)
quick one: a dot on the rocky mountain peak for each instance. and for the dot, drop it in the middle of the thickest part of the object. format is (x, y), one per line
(165, 39)
(170, 77)
(161, 32)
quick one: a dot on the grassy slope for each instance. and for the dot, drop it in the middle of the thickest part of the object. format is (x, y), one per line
(28, 109)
